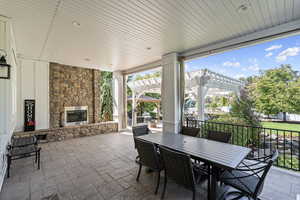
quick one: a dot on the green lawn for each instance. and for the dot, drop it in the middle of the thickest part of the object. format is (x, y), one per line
(283, 126)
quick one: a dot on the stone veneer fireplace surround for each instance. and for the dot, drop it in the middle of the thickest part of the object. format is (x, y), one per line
(70, 87)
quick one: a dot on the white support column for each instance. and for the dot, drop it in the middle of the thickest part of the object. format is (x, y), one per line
(200, 101)
(170, 93)
(134, 104)
(118, 99)
(201, 93)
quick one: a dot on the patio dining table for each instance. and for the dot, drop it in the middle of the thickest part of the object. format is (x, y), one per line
(218, 155)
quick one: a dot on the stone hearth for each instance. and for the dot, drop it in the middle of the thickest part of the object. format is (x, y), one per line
(63, 133)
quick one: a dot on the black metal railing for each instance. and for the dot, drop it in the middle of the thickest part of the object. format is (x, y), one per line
(261, 140)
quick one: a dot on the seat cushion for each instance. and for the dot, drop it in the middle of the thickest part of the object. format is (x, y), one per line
(229, 193)
(246, 185)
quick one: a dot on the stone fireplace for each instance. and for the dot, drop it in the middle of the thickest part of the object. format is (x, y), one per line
(74, 105)
(72, 88)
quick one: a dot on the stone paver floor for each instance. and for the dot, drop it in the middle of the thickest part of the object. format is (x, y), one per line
(103, 167)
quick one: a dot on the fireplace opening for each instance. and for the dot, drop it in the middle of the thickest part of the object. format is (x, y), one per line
(76, 115)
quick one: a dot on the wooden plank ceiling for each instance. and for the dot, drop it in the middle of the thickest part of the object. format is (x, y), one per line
(121, 34)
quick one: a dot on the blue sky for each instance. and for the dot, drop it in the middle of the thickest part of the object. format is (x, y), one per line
(250, 60)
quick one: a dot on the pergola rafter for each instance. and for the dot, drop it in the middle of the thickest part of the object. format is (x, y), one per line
(198, 84)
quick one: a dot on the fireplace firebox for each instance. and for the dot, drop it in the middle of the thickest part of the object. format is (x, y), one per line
(76, 115)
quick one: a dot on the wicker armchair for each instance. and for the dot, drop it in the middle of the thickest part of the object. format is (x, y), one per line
(149, 157)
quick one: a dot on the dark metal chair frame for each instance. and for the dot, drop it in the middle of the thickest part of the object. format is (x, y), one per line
(219, 136)
(23, 147)
(205, 168)
(190, 131)
(149, 157)
(139, 131)
(183, 175)
(258, 169)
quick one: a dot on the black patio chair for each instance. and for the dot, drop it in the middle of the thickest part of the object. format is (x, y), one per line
(23, 141)
(15, 153)
(249, 177)
(139, 131)
(178, 167)
(219, 136)
(190, 131)
(205, 167)
(149, 157)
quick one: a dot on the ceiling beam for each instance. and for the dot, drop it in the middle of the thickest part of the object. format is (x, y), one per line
(280, 31)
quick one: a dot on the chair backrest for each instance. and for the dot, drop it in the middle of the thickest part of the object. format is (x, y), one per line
(139, 131)
(264, 170)
(219, 136)
(148, 154)
(190, 131)
(178, 167)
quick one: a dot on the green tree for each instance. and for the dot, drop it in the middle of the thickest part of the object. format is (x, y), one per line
(106, 103)
(275, 89)
(241, 113)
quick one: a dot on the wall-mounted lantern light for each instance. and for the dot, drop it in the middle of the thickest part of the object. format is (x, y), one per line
(4, 67)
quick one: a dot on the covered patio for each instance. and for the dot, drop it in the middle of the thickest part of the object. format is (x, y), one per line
(52, 93)
(103, 167)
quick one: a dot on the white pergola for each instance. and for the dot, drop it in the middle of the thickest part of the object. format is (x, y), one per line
(198, 85)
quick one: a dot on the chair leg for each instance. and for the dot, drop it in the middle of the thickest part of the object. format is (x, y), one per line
(208, 187)
(158, 180)
(36, 156)
(137, 158)
(138, 176)
(194, 194)
(8, 165)
(39, 159)
(165, 186)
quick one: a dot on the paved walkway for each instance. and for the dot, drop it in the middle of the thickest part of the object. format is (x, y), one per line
(103, 167)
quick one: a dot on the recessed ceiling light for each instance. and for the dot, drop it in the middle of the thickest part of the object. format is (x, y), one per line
(76, 24)
(243, 8)
(148, 48)
(87, 59)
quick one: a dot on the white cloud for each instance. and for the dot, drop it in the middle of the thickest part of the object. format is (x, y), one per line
(254, 67)
(269, 54)
(273, 47)
(231, 64)
(237, 76)
(282, 56)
